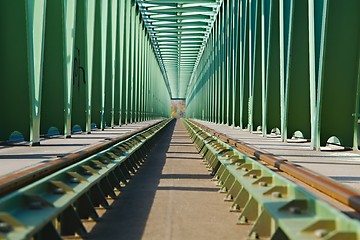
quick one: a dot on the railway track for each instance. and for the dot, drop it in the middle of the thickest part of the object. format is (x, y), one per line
(61, 199)
(54, 200)
(275, 206)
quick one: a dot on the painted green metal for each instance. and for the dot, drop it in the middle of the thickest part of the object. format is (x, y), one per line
(76, 65)
(35, 30)
(259, 64)
(287, 75)
(178, 31)
(336, 37)
(58, 71)
(271, 67)
(69, 32)
(109, 90)
(274, 206)
(79, 80)
(56, 205)
(22, 47)
(89, 53)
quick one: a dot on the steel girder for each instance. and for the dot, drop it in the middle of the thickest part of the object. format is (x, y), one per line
(71, 66)
(285, 66)
(179, 31)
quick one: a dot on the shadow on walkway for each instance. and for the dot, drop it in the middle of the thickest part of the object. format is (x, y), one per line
(127, 217)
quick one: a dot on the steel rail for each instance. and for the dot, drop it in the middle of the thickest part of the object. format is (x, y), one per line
(275, 206)
(23, 178)
(58, 204)
(324, 184)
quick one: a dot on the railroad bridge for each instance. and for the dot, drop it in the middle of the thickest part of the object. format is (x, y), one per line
(268, 147)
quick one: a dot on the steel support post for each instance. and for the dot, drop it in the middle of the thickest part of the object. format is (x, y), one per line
(89, 56)
(335, 41)
(58, 68)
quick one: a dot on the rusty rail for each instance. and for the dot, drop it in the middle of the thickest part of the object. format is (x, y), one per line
(22, 178)
(324, 184)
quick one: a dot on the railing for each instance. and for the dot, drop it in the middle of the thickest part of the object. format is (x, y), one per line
(56, 205)
(276, 207)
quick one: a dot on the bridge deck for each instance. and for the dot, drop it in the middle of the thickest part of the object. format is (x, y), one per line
(20, 156)
(171, 197)
(343, 166)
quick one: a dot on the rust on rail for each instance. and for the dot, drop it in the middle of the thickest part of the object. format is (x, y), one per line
(22, 178)
(348, 196)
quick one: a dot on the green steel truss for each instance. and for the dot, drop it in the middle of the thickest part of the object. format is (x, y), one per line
(179, 31)
(288, 66)
(72, 65)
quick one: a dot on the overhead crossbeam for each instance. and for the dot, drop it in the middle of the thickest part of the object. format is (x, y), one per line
(179, 31)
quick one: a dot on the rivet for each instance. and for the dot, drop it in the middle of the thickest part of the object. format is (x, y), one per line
(5, 227)
(263, 184)
(295, 210)
(234, 160)
(36, 205)
(87, 172)
(97, 166)
(74, 180)
(237, 164)
(253, 175)
(104, 161)
(243, 219)
(59, 191)
(254, 235)
(276, 194)
(244, 169)
(320, 233)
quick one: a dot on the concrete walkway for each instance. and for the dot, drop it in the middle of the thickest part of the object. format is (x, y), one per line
(171, 197)
(20, 157)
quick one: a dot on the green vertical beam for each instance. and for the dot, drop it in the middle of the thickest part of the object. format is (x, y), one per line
(109, 90)
(272, 118)
(140, 69)
(233, 51)
(14, 69)
(131, 61)
(103, 36)
(58, 68)
(143, 76)
(286, 8)
(22, 24)
(237, 63)
(222, 70)
(338, 77)
(35, 29)
(297, 96)
(265, 32)
(244, 81)
(136, 65)
(127, 60)
(69, 24)
(53, 87)
(117, 77)
(98, 86)
(121, 59)
(255, 98)
(79, 80)
(218, 71)
(229, 60)
(89, 55)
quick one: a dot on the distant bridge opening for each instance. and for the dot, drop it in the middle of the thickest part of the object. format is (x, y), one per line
(178, 108)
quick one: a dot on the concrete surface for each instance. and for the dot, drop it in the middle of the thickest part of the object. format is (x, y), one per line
(171, 197)
(14, 158)
(343, 166)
